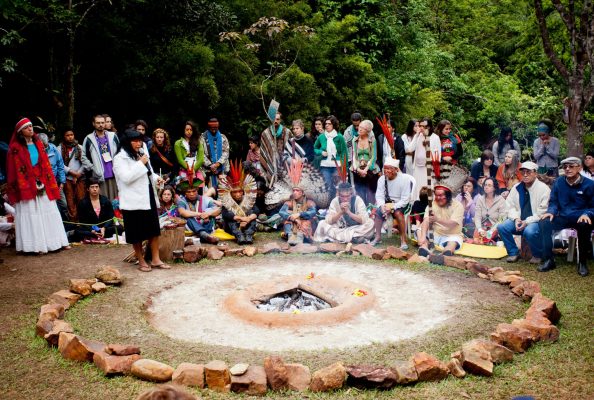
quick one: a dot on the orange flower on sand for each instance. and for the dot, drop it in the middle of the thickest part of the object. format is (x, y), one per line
(311, 275)
(359, 293)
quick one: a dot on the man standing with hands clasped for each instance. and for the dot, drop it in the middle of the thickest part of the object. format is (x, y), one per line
(571, 206)
(526, 203)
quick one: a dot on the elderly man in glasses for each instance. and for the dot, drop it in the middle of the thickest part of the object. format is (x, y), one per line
(571, 206)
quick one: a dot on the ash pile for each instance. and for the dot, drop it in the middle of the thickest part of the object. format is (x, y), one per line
(291, 301)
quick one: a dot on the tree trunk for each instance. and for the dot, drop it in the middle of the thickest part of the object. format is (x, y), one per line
(575, 128)
(68, 120)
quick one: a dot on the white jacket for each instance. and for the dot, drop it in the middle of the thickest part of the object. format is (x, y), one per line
(91, 151)
(133, 180)
(539, 201)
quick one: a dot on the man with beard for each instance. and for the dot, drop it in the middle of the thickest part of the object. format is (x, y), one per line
(99, 147)
(216, 152)
(571, 206)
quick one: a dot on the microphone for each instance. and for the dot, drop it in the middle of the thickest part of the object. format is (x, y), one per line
(141, 153)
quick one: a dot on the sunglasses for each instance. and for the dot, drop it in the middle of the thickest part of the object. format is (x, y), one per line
(569, 166)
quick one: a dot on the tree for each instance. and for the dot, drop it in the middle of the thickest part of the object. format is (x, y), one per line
(577, 70)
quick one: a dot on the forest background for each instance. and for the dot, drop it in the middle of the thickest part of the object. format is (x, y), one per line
(480, 64)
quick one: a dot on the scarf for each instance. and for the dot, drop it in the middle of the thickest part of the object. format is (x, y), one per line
(279, 130)
(215, 147)
(330, 145)
(525, 207)
(67, 155)
(453, 139)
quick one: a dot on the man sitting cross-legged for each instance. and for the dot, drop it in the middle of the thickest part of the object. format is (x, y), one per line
(392, 196)
(346, 220)
(198, 210)
(446, 218)
(527, 202)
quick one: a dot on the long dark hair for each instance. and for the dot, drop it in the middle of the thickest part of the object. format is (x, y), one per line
(126, 144)
(506, 130)
(429, 124)
(195, 138)
(334, 121)
(410, 128)
(495, 186)
(441, 126)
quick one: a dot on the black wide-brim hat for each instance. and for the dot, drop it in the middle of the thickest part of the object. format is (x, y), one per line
(132, 134)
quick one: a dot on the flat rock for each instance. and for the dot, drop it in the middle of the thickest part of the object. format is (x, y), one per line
(304, 248)
(276, 373)
(250, 251)
(429, 368)
(513, 337)
(371, 376)
(541, 328)
(217, 376)
(235, 252)
(151, 370)
(415, 258)
(73, 347)
(478, 269)
(189, 374)
(299, 376)
(121, 349)
(365, 249)
(268, 248)
(455, 367)
(194, 253)
(329, 378)
(109, 275)
(214, 254)
(405, 372)
(397, 253)
(331, 247)
(51, 311)
(99, 287)
(497, 352)
(379, 254)
(477, 360)
(547, 306)
(53, 336)
(455, 262)
(64, 297)
(239, 369)
(44, 326)
(81, 286)
(114, 365)
(252, 382)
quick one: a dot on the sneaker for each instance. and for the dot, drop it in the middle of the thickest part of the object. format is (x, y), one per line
(404, 246)
(292, 239)
(513, 259)
(375, 242)
(447, 253)
(300, 238)
(423, 252)
(535, 260)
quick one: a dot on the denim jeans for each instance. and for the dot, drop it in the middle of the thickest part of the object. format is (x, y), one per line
(329, 173)
(531, 233)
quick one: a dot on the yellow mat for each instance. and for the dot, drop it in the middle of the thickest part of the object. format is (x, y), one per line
(481, 251)
(222, 235)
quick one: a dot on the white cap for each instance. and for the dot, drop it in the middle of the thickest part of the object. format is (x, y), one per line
(390, 162)
(529, 165)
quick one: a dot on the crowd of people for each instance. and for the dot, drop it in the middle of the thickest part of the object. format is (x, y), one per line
(373, 180)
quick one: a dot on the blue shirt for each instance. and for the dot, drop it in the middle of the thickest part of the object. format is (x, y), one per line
(572, 201)
(57, 162)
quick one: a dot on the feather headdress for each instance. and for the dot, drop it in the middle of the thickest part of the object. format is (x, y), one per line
(237, 180)
(384, 123)
(342, 169)
(294, 170)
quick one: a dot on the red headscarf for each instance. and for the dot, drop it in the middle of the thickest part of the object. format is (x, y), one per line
(22, 176)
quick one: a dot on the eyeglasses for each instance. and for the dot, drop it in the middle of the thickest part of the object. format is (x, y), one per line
(568, 166)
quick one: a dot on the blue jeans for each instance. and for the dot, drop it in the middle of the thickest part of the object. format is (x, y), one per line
(531, 233)
(329, 173)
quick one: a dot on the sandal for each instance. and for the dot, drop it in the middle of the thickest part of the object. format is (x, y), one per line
(144, 268)
(162, 266)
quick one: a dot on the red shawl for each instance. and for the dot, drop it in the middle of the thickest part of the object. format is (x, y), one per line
(21, 175)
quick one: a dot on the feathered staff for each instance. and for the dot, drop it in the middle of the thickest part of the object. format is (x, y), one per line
(295, 168)
(384, 123)
(342, 169)
(190, 174)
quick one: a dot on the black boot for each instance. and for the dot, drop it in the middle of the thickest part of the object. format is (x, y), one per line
(548, 265)
(240, 238)
(248, 239)
(582, 268)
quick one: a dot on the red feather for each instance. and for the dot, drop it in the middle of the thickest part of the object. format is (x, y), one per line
(385, 125)
(236, 173)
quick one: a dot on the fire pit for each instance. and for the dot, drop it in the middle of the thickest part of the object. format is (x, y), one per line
(294, 300)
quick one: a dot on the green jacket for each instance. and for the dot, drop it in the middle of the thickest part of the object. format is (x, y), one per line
(181, 153)
(320, 146)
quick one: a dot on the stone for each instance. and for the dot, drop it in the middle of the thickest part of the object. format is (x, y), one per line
(73, 347)
(268, 248)
(371, 376)
(526, 289)
(541, 328)
(194, 253)
(44, 326)
(114, 365)
(151, 370)
(494, 270)
(64, 297)
(236, 252)
(455, 262)
(365, 249)
(513, 337)
(482, 276)
(299, 376)
(81, 286)
(477, 268)
(477, 360)
(379, 254)
(276, 373)
(455, 367)
(498, 352)
(250, 251)
(438, 259)
(332, 247)
(252, 382)
(547, 306)
(405, 372)
(121, 349)
(239, 369)
(342, 253)
(386, 256)
(329, 378)
(355, 253)
(217, 376)
(214, 254)
(109, 275)
(53, 336)
(415, 258)
(429, 368)
(99, 287)
(304, 248)
(51, 311)
(397, 253)
(189, 374)
(517, 282)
